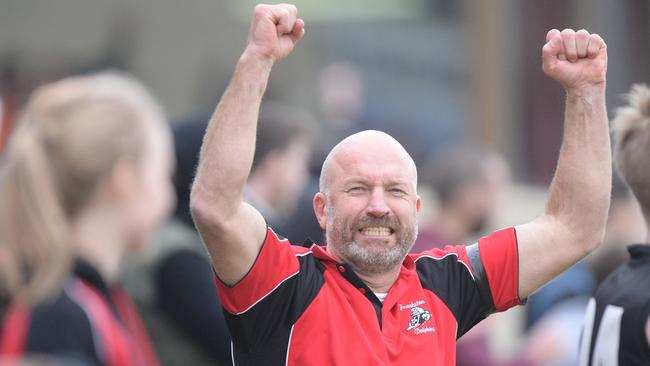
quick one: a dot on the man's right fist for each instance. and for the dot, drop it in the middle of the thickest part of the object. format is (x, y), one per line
(274, 32)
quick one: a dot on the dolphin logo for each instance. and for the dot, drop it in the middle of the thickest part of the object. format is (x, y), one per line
(418, 317)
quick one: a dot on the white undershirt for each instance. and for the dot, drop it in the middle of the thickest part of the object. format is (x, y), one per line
(381, 296)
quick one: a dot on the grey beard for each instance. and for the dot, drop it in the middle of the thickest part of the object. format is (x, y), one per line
(371, 258)
(372, 261)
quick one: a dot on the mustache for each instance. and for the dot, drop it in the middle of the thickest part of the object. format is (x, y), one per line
(366, 221)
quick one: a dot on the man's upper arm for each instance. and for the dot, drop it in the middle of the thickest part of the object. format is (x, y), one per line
(546, 248)
(233, 243)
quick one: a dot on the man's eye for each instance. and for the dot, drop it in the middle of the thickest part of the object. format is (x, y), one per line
(356, 189)
(397, 191)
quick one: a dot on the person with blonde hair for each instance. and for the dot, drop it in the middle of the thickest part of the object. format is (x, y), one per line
(617, 321)
(86, 179)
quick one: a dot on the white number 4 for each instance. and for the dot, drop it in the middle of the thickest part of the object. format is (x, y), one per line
(608, 337)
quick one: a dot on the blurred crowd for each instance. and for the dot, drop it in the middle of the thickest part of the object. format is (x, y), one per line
(96, 235)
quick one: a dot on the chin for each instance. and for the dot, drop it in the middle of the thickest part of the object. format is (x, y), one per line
(139, 244)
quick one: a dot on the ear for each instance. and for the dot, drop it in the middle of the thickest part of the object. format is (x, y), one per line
(272, 166)
(320, 209)
(418, 203)
(121, 180)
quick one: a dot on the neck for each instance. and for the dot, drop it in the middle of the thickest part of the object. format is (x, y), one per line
(381, 282)
(98, 243)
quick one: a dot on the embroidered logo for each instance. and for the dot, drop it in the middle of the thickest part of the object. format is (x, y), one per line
(411, 305)
(419, 316)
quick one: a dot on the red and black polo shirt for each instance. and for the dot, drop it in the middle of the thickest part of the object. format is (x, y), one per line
(299, 306)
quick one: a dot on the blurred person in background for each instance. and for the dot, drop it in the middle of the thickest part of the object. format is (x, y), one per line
(624, 225)
(559, 307)
(175, 284)
(617, 320)
(280, 165)
(469, 184)
(342, 94)
(362, 299)
(341, 98)
(8, 98)
(172, 282)
(87, 179)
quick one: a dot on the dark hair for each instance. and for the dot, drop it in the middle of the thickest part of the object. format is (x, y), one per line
(188, 136)
(278, 126)
(447, 171)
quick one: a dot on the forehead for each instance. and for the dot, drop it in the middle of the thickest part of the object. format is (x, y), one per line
(374, 161)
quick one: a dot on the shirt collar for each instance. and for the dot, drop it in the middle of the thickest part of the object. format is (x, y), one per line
(88, 273)
(321, 253)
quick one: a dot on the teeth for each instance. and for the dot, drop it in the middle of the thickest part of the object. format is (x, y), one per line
(376, 231)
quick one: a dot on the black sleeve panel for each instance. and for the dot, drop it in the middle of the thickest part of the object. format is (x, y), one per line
(261, 334)
(453, 283)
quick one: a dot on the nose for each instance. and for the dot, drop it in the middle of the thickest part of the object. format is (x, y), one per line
(378, 207)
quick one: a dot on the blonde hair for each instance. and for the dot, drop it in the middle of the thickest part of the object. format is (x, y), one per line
(631, 127)
(71, 134)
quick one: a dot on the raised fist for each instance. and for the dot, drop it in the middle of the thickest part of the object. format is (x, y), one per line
(275, 30)
(575, 59)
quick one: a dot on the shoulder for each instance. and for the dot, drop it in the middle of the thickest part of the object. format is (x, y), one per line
(443, 259)
(274, 238)
(61, 327)
(62, 309)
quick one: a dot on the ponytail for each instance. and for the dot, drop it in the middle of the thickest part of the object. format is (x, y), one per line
(33, 224)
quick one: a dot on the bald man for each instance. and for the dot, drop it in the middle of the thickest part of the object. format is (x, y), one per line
(362, 299)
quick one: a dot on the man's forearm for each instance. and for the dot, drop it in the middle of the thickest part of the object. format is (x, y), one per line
(576, 211)
(579, 194)
(229, 144)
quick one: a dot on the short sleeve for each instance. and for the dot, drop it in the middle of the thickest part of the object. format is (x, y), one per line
(473, 281)
(261, 309)
(500, 259)
(275, 263)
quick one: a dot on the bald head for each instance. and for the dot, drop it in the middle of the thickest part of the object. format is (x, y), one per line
(368, 202)
(365, 147)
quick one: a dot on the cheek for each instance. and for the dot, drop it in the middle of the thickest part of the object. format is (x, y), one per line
(406, 212)
(343, 219)
(293, 176)
(155, 202)
(161, 199)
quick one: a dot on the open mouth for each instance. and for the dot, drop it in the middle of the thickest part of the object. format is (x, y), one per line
(376, 231)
